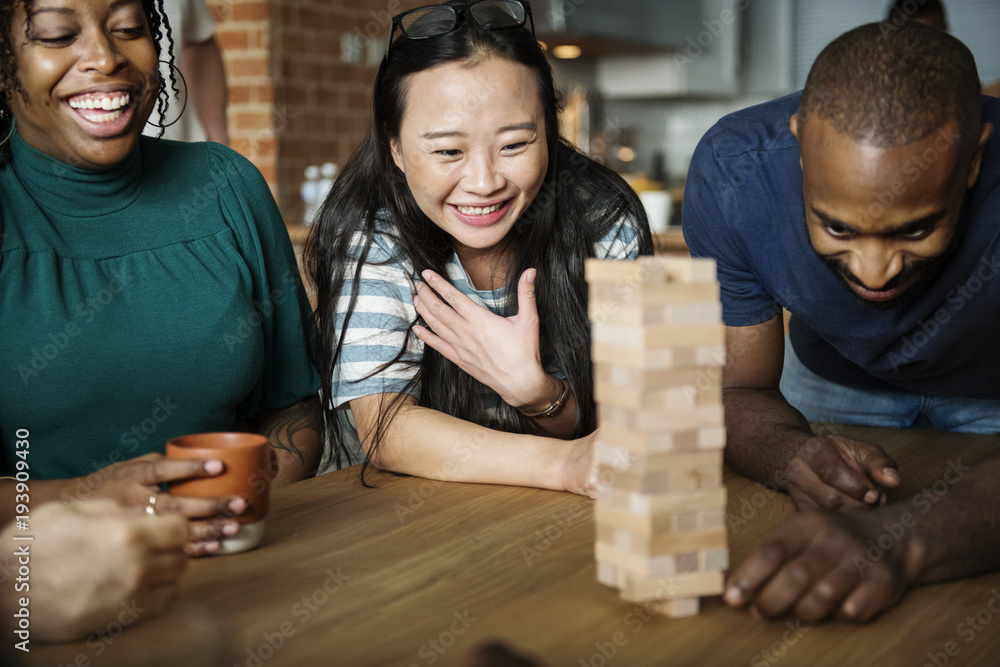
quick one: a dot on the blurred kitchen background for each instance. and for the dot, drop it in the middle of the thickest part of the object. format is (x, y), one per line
(642, 79)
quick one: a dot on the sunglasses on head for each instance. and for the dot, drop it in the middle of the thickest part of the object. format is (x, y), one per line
(437, 20)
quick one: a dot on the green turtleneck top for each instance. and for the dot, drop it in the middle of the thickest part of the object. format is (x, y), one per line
(157, 298)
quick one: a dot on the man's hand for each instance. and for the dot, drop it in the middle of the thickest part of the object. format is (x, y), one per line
(822, 564)
(839, 474)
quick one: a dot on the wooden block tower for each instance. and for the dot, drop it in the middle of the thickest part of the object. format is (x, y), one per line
(658, 349)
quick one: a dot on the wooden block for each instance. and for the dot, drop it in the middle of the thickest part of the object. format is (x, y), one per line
(656, 336)
(652, 420)
(685, 522)
(610, 498)
(683, 397)
(687, 562)
(686, 528)
(658, 483)
(714, 560)
(680, 462)
(645, 270)
(620, 459)
(695, 356)
(601, 311)
(713, 518)
(608, 300)
(669, 588)
(608, 575)
(662, 441)
(625, 377)
(712, 437)
(693, 313)
(652, 442)
(679, 607)
(665, 482)
(633, 565)
(635, 539)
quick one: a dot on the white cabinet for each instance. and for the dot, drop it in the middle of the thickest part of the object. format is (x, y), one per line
(727, 48)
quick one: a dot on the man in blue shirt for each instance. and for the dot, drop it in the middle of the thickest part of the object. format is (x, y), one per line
(868, 206)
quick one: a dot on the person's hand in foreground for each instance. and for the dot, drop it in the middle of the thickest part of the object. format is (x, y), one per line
(94, 563)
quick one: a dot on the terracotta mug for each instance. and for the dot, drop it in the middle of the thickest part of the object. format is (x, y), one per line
(248, 466)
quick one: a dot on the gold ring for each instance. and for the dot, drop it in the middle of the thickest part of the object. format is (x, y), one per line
(151, 507)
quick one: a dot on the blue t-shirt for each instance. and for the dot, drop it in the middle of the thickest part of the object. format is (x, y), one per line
(743, 206)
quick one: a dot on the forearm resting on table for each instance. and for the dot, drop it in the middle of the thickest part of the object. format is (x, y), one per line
(427, 443)
(958, 534)
(762, 433)
(294, 436)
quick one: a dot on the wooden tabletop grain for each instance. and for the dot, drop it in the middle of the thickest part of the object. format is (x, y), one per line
(416, 572)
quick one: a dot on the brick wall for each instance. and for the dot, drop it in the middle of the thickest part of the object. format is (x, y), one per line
(300, 74)
(244, 33)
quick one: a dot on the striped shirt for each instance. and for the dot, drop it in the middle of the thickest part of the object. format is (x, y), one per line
(384, 312)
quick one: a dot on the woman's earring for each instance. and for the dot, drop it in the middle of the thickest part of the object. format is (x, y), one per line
(11, 132)
(177, 95)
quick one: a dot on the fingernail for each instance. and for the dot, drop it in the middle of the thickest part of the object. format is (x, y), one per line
(237, 505)
(231, 528)
(213, 467)
(733, 596)
(872, 496)
(426, 275)
(209, 547)
(531, 275)
(891, 472)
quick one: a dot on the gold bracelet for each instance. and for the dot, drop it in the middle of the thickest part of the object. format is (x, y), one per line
(556, 406)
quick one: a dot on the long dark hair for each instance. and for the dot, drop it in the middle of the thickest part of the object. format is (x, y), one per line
(579, 203)
(159, 28)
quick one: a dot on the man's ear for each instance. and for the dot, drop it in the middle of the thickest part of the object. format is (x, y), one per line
(397, 153)
(793, 125)
(977, 157)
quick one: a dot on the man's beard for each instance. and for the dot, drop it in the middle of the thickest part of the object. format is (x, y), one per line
(925, 271)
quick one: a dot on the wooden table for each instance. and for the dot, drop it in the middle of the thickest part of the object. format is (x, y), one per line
(417, 572)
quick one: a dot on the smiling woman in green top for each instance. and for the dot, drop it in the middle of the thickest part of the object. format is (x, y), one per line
(147, 288)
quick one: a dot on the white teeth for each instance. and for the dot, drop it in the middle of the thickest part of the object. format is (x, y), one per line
(105, 103)
(475, 210)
